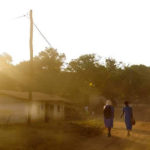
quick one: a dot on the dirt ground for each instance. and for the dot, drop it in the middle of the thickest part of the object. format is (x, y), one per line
(139, 139)
(61, 137)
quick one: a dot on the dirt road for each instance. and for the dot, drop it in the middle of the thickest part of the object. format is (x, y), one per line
(63, 137)
(139, 139)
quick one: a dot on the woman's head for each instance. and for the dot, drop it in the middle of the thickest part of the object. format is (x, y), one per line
(108, 102)
(126, 103)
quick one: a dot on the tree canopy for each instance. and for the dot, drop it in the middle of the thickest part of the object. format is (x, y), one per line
(79, 79)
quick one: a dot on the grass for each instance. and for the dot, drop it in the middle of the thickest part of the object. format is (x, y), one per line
(88, 128)
(74, 135)
(35, 137)
(53, 136)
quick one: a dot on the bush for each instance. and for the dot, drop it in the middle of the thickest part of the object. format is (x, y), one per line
(88, 128)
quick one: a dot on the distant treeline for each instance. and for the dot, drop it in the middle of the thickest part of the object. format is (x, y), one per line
(77, 80)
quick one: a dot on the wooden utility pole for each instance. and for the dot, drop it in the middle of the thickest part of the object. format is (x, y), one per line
(31, 55)
(31, 66)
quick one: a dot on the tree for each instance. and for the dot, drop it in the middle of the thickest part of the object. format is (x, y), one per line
(86, 74)
(46, 67)
(83, 63)
(7, 76)
(5, 61)
(111, 64)
(49, 60)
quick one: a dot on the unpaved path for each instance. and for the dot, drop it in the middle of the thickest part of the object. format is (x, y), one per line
(139, 139)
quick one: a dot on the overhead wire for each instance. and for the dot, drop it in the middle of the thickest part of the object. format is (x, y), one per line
(42, 35)
(25, 15)
(46, 40)
(35, 25)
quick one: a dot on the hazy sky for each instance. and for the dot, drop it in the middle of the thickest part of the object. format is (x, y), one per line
(109, 28)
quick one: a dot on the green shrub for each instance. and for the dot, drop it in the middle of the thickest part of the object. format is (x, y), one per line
(88, 128)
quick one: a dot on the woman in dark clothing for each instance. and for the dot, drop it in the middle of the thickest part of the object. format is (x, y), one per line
(108, 116)
(128, 116)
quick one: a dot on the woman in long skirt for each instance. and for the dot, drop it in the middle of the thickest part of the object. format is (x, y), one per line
(128, 116)
(108, 116)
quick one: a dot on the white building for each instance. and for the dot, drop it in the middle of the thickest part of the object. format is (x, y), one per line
(15, 107)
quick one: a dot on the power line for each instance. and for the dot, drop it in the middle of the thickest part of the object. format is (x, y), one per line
(42, 35)
(22, 16)
(46, 40)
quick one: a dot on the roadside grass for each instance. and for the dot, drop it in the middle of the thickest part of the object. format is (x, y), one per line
(89, 128)
(51, 136)
(37, 137)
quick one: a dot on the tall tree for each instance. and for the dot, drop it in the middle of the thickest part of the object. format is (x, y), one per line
(49, 60)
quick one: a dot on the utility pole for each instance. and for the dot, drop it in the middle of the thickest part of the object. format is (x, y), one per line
(31, 54)
(31, 65)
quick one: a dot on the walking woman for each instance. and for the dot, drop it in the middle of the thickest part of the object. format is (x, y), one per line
(128, 117)
(108, 116)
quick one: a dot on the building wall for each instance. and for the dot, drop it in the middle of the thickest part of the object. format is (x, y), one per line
(46, 111)
(13, 110)
(37, 111)
(58, 111)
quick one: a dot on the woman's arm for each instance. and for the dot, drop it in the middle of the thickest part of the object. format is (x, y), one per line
(122, 114)
(113, 112)
(131, 113)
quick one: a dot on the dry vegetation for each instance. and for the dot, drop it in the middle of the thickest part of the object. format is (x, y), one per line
(73, 136)
(54, 136)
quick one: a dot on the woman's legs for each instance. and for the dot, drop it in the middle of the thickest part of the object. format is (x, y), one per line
(109, 132)
(128, 126)
(128, 132)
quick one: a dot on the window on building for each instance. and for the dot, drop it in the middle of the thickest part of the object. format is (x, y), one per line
(58, 108)
(51, 107)
(42, 107)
